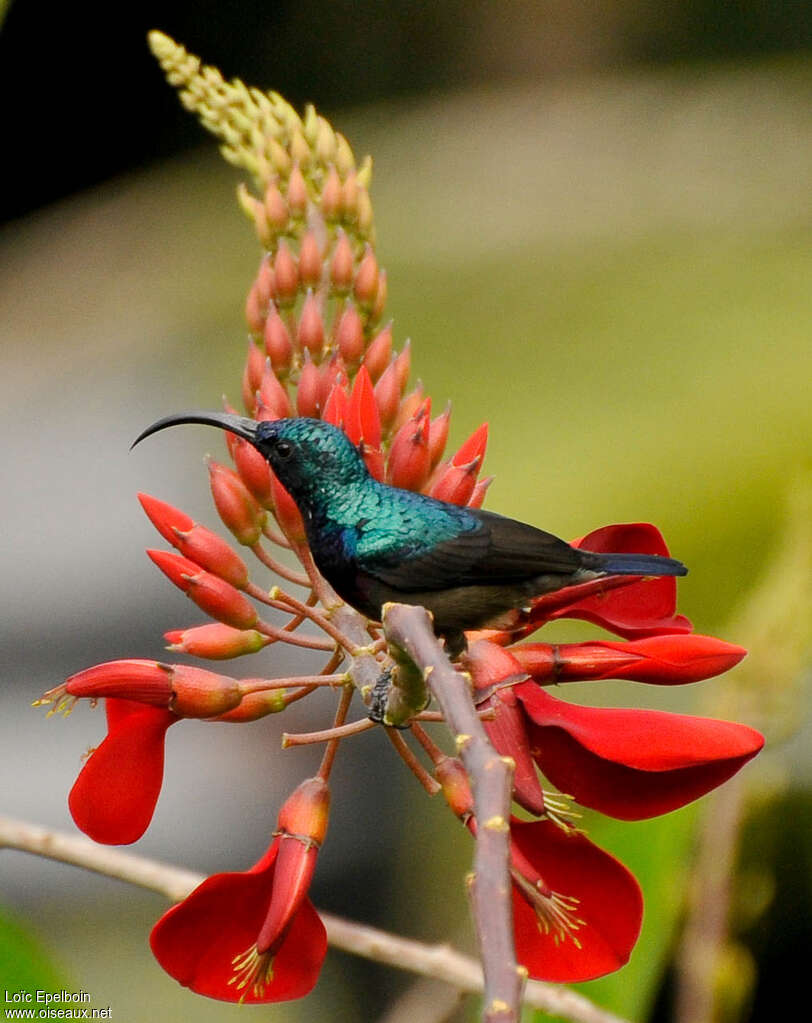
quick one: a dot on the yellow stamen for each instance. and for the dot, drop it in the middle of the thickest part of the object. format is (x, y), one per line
(253, 971)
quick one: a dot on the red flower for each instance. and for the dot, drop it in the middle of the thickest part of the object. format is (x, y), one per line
(254, 936)
(577, 910)
(114, 797)
(632, 764)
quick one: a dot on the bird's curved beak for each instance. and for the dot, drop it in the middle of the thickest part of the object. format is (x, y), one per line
(238, 425)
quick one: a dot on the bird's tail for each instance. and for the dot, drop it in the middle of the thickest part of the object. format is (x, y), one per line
(636, 564)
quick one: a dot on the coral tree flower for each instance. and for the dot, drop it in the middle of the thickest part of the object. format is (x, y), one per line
(254, 936)
(114, 797)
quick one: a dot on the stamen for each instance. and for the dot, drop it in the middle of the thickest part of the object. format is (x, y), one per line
(252, 971)
(555, 913)
(558, 810)
(63, 702)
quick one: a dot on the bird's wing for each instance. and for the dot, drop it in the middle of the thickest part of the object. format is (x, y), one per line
(496, 551)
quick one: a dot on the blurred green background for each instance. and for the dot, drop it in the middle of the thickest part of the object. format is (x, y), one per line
(598, 231)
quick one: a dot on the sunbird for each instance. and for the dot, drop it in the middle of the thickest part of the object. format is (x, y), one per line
(376, 544)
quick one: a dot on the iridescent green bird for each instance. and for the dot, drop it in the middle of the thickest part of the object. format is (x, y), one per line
(375, 543)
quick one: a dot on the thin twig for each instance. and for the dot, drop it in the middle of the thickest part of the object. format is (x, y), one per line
(410, 629)
(285, 636)
(292, 576)
(326, 734)
(431, 785)
(175, 884)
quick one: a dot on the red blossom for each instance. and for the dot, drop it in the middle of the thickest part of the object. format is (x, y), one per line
(114, 797)
(576, 910)
(632, 764)
(657, 660)
(254, 936)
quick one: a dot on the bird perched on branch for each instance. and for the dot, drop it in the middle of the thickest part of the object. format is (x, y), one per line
(375, 543)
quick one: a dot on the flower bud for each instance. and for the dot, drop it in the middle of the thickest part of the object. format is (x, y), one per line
(310, 329)
(213, 595)
(215, 642)
(387, 397)
(408, 465)
(236, 506)
(480, 489)
(254, 471)
(456, 786)
(254, 311)
(182, 688)
(342, 264)
(252, 376)
(274, 396)
(287, 512)
(409, 405)
(276, 209)
(310, 265)
(349, 335)
(265, 283)
(365, 288)
(403, 364)
(455, 483)
(305, 812)
(255, 706)
(307, 393)
(364, 219)
(297, 193)
(379, 354)
(331, 196)
(438, 435)
(195, 542)
(278, 345)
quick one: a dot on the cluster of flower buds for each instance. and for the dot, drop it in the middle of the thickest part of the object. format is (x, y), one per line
(317, 349)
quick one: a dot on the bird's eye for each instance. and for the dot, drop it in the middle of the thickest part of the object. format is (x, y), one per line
(284, 449)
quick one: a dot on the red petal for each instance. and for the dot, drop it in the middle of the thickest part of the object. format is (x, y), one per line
(609, 904)
(632, 764)
(197, 940)
(114, 797)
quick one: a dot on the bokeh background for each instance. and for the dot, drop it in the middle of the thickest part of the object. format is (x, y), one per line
(597, 224)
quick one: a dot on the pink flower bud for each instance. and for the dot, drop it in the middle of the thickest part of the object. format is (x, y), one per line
(307, 393)
(286, 275)
(331, 196)
(408, 464)
(409, 406)
(305, 812)
(438, 435)
(254, 311)
(236, 506)
(297, 192)
(278, 345)
(276, 209)
(349, 335)
(342, 265)
(387, 397)
(403, 364)
(310, 264)
(252, 376)
(255, 706)
(265, 282)
(366, 279)
(254, 471)
(472, 448)
(215, 642)
(455, 483)
(310, 329)
(379, 304)
(213, 595)
(275, 400)
(287, 513)
(332, 373)
(379, 354)
(480, 489)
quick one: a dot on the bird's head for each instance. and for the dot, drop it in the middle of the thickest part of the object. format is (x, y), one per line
(308, 456)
